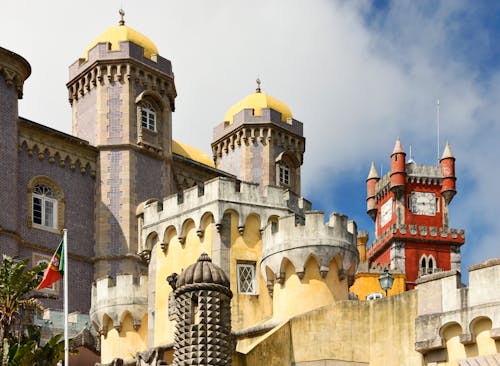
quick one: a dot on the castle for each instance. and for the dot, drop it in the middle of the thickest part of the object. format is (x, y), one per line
(255, 276)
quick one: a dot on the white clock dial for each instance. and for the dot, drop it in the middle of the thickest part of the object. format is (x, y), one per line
(386, 212)
(423, 203)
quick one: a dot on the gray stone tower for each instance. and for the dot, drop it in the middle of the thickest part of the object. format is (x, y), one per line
(260, 142)
(203, 314)
(14, 70)
(122, 96)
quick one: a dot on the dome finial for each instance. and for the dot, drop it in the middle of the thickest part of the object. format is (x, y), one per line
(257, 90)
(122, 15)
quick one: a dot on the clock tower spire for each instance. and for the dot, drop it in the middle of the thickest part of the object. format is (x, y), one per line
(410, 208)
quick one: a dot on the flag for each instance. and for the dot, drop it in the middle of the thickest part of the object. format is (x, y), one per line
(55, 270)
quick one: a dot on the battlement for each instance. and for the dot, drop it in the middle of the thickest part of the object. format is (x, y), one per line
(217, 196)
(324, 241)
(427, 174)
(442, 300)
(115, 297)
(246, 116)
(417, 232)
(128, 50)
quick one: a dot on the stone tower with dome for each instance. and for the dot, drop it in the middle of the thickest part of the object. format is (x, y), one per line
(139, 206)
(259, 141)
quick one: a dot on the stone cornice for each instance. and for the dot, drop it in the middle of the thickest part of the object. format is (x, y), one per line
(15, 69)
(124, 71)
(263, 134)
(57, 143)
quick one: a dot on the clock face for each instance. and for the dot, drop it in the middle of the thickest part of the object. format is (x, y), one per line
(386, 212)
(423, 203)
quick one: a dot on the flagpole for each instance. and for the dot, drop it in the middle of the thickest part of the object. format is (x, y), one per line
(65, 283)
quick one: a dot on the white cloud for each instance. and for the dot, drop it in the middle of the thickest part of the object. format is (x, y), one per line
(355, 87)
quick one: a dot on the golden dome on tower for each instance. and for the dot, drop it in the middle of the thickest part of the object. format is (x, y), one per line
(121, 33)
(258, 101)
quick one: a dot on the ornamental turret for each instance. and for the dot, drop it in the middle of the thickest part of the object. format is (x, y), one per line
(295, 256)
(260, 142)
(398, 168)
(447, 162)
(371, 182)
(203, 315)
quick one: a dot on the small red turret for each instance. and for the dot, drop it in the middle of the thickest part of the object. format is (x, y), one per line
(371, 182)
(447, 162)
(398, 168)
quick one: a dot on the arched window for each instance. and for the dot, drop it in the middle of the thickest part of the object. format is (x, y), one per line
(148, 117)
(45, 204)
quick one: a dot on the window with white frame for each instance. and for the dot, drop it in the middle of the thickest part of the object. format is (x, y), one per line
(44, 206)
(428, 265)
(284, 174)
(374, 296)
(148, 117)
(246, 278)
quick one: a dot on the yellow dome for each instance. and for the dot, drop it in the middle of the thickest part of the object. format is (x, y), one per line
(257, 101)
(121, 33)
(192, 153)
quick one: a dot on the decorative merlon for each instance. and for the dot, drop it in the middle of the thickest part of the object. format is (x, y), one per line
(219, 196)
(417, 232)
(115, 298)
(296, 243)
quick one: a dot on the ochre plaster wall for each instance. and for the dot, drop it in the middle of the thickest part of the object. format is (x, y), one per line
(247, 310)
(126, 342)
(176, 257)
(367, 283)
(378, 333)
(297, 295)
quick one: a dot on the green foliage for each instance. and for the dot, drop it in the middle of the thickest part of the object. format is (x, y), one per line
(29, 352)
(16, 285)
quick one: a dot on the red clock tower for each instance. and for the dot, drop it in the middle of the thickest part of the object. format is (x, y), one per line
(410, 208)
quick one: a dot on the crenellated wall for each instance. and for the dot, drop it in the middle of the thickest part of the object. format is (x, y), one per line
(308, 265)
(456, 322)
(119, 313)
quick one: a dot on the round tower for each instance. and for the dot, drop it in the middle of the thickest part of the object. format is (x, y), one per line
(371, 182)
(447, 162)
(14, 70)
(260, 142)
(311, 265)
(398, 168)
(203, 313)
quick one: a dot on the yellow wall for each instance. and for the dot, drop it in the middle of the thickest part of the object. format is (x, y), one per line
(247, 310)
(379, 332)
(367, 283)
(126, 342)
(176, 258)
(297, 296)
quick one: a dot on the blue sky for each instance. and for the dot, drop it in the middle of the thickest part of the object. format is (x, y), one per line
(358, 74)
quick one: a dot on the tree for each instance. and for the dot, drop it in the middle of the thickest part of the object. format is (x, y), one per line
(16, 284)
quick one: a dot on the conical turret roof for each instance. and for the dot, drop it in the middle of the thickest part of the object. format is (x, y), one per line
(447, 153)
(398, 148)
(373, 172)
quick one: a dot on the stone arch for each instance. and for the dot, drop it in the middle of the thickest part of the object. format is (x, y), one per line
(151, 240)
(480, 328)
(186, 226)
(450, 336)
(206, 219)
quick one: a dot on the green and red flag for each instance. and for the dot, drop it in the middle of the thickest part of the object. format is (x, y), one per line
(55, 270)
